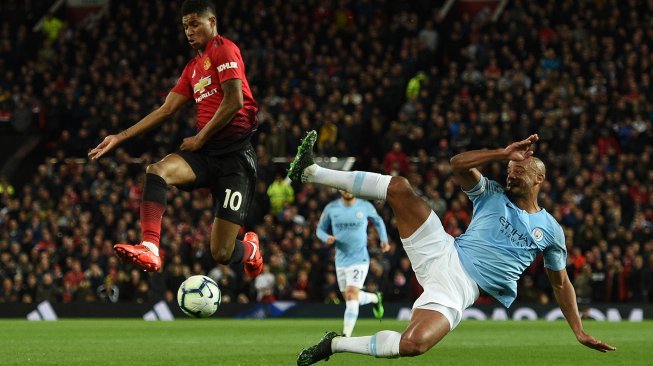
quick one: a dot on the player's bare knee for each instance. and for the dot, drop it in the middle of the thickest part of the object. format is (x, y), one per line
(413, 345)
(351, 294)
(154, 169)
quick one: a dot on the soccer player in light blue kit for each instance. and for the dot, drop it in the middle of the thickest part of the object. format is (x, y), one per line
(508, 229)
(344, 222)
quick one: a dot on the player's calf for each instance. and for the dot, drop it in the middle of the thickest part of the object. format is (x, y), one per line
(413, 346)
(220, 254)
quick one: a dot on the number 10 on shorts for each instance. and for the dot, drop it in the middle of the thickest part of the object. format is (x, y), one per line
(232, 199)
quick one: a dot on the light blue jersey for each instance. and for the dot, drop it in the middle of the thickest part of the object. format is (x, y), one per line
(349, 225)
(502, 240)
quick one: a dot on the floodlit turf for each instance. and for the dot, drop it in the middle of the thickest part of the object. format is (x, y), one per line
(276, 342)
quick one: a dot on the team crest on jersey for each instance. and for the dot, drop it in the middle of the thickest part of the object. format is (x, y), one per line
(538, 235)
(201, 85)
(360, 214)
(207, 63)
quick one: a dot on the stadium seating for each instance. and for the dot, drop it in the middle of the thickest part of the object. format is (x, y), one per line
(393, 85)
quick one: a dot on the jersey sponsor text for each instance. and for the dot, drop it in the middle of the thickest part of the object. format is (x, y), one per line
(227, 65)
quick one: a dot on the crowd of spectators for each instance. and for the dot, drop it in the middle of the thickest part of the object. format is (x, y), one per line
(389, 83)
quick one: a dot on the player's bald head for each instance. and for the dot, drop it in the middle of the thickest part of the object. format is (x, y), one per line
(537, 165)
(199, 7)
(532, 164)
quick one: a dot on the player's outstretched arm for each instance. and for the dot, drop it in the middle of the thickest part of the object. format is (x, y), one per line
(464, 165)
(173, 102)
(566, 297)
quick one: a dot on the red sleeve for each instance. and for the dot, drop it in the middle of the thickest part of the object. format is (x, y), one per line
(183, 86)
(228, 62)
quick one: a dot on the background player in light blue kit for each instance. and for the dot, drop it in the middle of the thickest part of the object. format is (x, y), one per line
(508, 229)
(344, 222)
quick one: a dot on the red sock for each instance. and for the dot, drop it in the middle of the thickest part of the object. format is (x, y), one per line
(151, 215)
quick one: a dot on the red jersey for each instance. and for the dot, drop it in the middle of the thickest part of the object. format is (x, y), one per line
(201, 80)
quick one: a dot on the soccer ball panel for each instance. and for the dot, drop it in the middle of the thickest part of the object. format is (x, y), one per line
(199, 296)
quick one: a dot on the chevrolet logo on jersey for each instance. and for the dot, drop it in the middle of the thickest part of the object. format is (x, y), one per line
(202, 84)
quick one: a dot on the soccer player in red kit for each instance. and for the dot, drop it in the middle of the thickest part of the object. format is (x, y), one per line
(220, 156)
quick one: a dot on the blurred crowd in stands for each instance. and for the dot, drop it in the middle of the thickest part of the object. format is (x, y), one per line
(390, 83)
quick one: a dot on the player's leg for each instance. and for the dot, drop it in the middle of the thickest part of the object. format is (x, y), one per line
(365, 297)
(448, 290)
(376, 298)
(410, 210)
(425, 330)
(351, 280)
(341, 277)
(234, 177)
(438, 268)
(171, 170)
(226, 248)
(351, 310)
(354, 298)
(354, 280)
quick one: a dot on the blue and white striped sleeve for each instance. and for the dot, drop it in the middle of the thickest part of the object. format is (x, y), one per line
(478, 189)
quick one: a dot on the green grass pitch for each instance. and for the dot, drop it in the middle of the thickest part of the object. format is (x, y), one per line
(277, 342)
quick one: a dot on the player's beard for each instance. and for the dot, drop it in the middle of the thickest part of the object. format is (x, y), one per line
(521, 193)
(348, 198)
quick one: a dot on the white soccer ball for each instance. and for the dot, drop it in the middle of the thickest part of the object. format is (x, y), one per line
(199, 296)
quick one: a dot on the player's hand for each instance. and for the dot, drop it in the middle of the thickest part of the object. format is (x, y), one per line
(385, 246)
(109, 143)
(521, 150)
(591, 342)
(192, 143)
(330, 240)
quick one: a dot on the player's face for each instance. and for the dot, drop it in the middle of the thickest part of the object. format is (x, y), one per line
(521, 177)
(346, 195)
(199, 29)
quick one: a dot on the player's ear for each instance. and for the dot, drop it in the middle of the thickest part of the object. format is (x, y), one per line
(539, 178)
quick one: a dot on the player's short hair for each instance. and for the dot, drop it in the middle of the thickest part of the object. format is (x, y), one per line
(198, 7)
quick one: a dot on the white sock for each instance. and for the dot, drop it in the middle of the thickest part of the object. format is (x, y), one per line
(153, 247)
(365, 298)
(351, 315)
(360, 184)
(384, 344)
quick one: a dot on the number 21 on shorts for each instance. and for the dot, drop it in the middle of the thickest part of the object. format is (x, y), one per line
(232, 199)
